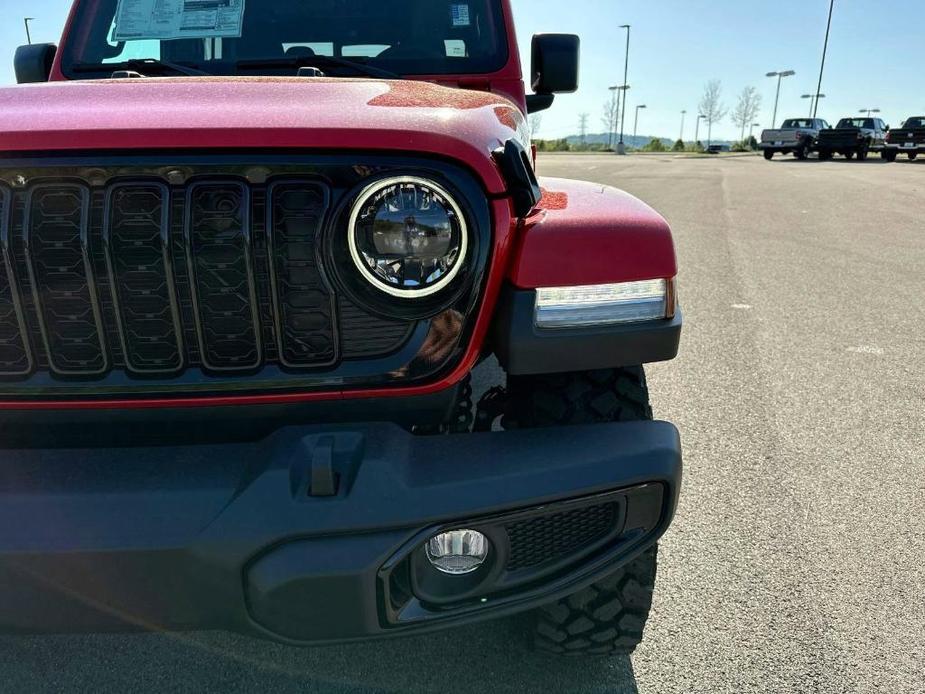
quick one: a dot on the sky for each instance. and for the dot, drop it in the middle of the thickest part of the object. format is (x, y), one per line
(875, 55)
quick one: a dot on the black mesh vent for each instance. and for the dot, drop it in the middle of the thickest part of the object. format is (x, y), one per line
(136, 237)
(218, 238)
(62, 278)
(15, 359)
(302, 302)
(542, 539)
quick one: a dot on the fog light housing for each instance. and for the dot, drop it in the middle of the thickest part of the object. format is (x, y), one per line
(604, 304)
(457, 552)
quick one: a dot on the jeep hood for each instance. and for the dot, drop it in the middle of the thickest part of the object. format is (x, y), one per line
(266, 113)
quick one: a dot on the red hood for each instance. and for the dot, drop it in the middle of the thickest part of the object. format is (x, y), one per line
(202, 113)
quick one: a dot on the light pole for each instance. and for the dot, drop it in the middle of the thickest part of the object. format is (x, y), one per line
(751, 130)
(26, 20)
(825, 48)
(868, 111)
(780, 76)
(621, 148)
(697, 131)
(636, 120)
(681, 138)
(811, 98)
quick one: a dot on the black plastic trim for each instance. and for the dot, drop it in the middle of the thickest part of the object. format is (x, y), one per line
(523, 186)
(6, 214)
(523, 349)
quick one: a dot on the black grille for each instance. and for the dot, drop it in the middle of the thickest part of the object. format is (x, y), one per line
(304, 306)
(15, 359)
(544, 539)
(136, 236)
(61, 275)
(140, 282)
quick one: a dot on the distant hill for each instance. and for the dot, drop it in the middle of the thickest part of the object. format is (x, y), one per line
(634, 142)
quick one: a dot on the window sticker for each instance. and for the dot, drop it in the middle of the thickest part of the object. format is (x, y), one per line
(460, 15)
(178, 19)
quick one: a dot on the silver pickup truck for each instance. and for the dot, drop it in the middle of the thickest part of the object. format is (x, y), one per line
(796, 135)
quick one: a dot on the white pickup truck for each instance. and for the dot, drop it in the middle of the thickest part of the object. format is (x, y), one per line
(797, 135)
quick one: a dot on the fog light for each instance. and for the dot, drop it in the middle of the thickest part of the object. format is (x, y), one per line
(457, 552)
(604, 304)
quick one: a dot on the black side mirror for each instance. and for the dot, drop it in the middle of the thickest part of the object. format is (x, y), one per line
(555, 59)
(32, 63)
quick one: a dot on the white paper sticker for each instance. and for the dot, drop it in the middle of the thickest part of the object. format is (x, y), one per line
(460, 15)
(138, 20)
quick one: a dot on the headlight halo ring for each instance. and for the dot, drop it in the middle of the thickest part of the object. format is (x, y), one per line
(408, 294)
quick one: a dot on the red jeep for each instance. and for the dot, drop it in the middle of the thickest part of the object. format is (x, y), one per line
(251, 257)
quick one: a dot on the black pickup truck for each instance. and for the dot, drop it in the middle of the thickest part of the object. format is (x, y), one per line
(908, 139)
(852, 136)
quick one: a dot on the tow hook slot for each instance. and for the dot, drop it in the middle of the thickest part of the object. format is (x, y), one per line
(325, 465)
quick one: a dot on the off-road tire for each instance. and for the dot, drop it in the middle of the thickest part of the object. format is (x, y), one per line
(584, 397)
(913, 156)
(862, 152)
(768, 154)
(800, 152)
(888, 155)
(850, 155)
(824, 155)
(606, 618)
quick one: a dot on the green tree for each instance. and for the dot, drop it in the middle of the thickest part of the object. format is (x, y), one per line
(678, 146)
(654, 145)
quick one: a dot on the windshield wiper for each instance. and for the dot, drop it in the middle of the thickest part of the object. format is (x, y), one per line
(319, 61)
(144, 66)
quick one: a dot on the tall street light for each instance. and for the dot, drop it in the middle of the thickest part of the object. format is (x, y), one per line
(26, 20)
(751, 130)
(813, 98)
(825, 48)
(868, 111)
(697, 131)
(780, 76)
(621, 148)
(636, 120)
(683, 113)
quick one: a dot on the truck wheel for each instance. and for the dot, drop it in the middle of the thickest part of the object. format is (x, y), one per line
(913, 156)
(768, 154)
(862, 153)
(824, 155)
(800, 152)
(850, 155)
(888, 154)
(608, 617)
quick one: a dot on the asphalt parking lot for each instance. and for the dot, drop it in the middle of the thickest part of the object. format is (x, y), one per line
(796, 560)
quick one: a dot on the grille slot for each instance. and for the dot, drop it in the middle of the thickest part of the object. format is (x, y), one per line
(221, 275)
(304, 308)
(545, 539)
(15, 357)
(61, 275)
(136, 237)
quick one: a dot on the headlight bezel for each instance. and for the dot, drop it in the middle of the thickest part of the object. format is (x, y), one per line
(358, 285)
(377, 187)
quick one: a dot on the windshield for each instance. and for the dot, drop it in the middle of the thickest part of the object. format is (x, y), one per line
(856, 123)
(917, 122)
(406, 37)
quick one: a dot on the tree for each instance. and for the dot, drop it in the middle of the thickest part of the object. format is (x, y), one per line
(712, 107)
(609, 119)
(534, 122)
(655, 145)
(583, 127)
(746, 109)
(678, 146)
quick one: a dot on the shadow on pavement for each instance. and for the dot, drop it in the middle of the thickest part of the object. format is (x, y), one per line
(489, 657)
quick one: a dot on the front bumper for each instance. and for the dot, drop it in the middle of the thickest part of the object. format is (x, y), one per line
(237, 537)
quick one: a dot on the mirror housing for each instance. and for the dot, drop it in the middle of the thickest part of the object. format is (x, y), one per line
(554, 70)
(32, 63)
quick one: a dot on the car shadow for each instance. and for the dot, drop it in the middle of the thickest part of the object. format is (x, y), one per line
(486, 657)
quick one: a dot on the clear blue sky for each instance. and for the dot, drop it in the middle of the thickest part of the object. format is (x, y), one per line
(875, 54)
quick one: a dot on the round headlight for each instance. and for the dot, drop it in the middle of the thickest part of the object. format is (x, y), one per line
(407, 236)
